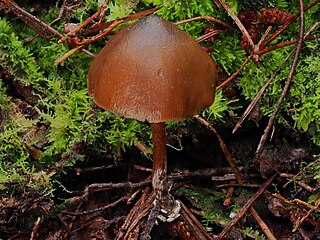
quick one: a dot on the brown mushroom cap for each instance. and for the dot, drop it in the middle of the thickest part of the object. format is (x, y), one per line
(152, 71)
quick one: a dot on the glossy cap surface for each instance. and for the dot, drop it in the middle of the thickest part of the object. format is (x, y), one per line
(152, 71)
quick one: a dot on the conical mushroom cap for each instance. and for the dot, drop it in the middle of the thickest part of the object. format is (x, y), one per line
(152, 71)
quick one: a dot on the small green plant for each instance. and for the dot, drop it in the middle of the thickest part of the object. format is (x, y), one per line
(124, 132)
(220, 108)
(255, 234)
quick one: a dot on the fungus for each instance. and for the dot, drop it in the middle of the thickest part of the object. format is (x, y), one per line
(152, 71)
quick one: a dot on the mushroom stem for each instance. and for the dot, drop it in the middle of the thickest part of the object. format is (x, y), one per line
(159, 157)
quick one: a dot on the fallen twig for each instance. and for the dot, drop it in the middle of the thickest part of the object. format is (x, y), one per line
(96, 28)
(85, 23)
(228, 198)
(231, 177)
(262, 224)
(209, 18)
(287, 84)
(97, 209)
(236, 73)
(209, 35)
(35, 228)
(97, 187)
(224, 148)
(87, 41)
(239, 24)
(250, 185)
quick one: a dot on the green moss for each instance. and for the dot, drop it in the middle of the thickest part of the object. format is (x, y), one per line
(64, 107)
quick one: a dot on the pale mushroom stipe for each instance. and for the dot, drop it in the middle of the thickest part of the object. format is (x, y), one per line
(153, 71)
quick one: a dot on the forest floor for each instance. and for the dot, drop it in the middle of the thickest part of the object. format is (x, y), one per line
(69, 170)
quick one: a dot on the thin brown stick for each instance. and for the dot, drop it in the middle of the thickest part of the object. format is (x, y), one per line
(239, 24)
(236, 73)
(207, 172)
(245, 208)
(305, 204)
(281, 198)
(36, 24)
(136, 216)
(142, 147)
(101, 34)
(97, 187)
(35, 228)
(66, 55)
(134, 211)
(230, 177)
(142, 168)
(61, 11)
(97, 27)
(85, 23)
(262, 225)
(281, 45)
(209, 18)
(87, 41)
(208, 35)
(115, 203)
(287, 84)
(228, 198)
(250, 185)
(224, 148)
(264, 37)
(256, 56)
(295, 202)
(259, 94)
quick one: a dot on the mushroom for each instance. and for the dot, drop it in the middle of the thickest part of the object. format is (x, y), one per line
(152, 71)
